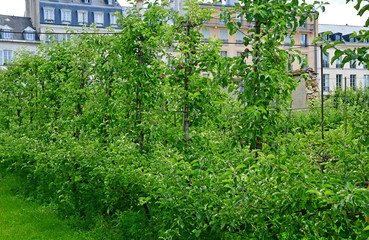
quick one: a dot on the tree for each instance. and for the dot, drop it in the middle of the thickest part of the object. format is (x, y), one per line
(261, 69)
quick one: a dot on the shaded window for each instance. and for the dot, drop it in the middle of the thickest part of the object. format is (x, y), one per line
(325, 82)
(339, 62)
(6, 34)
(6, 56)
(223, 35)
(223, 53)
(82, 17)
(287, 40)
(326, 60)
(353, 81)
(239, 37)
(304, 40)
(66, 16)
(49, 14)
(366, 81)
(338, 81)
(352, 64)
(99, 18)
(206, 33)
(113, 20)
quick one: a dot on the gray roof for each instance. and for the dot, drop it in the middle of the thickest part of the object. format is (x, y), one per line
(17, 24)
(93, 3)
(344, 29)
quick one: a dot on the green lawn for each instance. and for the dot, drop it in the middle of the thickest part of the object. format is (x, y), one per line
(25, 220)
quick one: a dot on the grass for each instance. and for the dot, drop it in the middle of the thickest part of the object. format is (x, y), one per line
(25, 220)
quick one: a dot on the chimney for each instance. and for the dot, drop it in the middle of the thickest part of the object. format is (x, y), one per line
(139, 6)
(33, 12)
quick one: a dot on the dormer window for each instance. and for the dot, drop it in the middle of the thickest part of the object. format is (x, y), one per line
(49, 15)
(6, 32)
(110, 2)
(99, 18)
(29, 34)
(66, 16)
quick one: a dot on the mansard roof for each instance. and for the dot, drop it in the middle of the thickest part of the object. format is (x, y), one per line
(16, 25)
(93, 2)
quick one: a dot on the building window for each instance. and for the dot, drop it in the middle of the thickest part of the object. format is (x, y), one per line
(6, 34)
(5, 56)
(222, 17)
(304, 25)
(29, 36)
(206, 33)
(304, 62)
(239, 17)
(366, 81)
(353, 81)
(325, 82)
(289, 62)
(339, 62)
(338, 81)
(113, 19)
(206, 75)
(86, 1)
(304, 40)
(239, 54)
(223, 35)
(110, 2)
(365, 66)
(223, 53)
(99, 18)
(353, 64)
(66, 16)
(287, 40)
(50, 37)
(325, 60)
(239, 37)
(82, 17)
(49, 15)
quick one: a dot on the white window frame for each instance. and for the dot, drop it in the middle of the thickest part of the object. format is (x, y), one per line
(49, 14)
(239, 37)
(206, 33)
(29, 36)
(287, 40)
(7, 56)
(82, 16)
(223, 35)
(353, 81)
(68, 19)
(7, 34)
(338, 81)
(326, 82)
(113, 19)
(1, 58)
(304, 40)
(99, 16)
(366, 81)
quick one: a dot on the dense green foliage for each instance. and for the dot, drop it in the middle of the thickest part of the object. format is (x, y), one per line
(96, 128)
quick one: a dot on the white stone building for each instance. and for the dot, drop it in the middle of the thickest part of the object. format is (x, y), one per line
(16, 33)
(334, 74)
